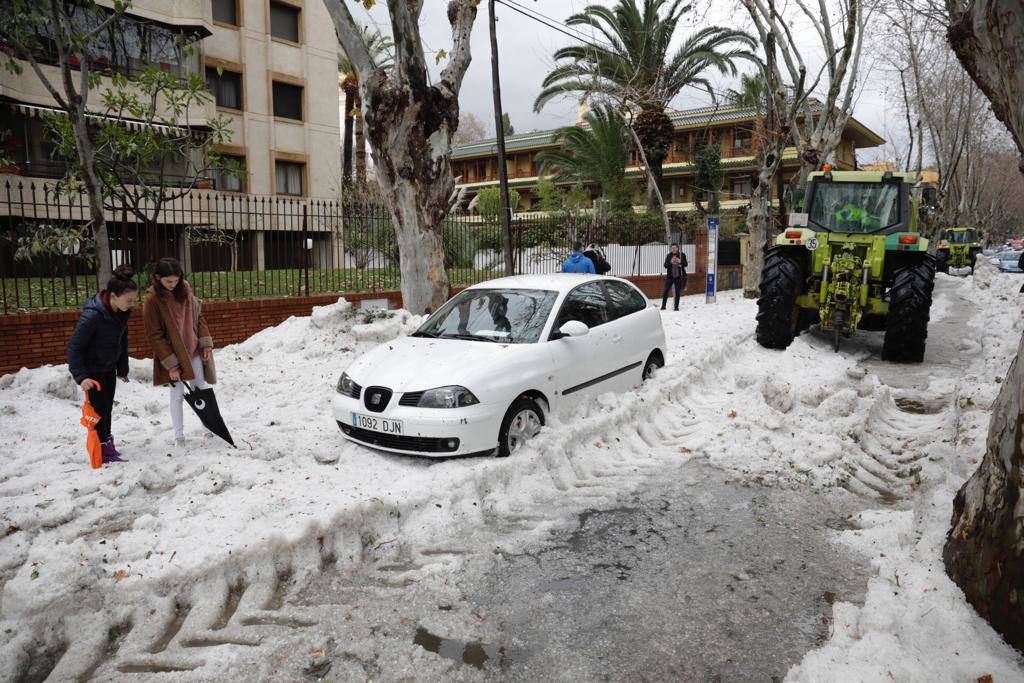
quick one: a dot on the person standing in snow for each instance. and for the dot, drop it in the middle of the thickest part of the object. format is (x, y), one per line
(596, 256)
(577, 262)
(177, 332)
(675, 274)
(98, 350)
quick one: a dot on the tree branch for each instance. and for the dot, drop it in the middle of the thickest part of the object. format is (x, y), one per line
(351, 38)
(462, 26)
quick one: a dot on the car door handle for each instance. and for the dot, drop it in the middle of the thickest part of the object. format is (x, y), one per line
(616, 339)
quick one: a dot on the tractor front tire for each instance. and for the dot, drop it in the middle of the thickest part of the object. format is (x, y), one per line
(778, 317)
(942, 261)
(910, 301)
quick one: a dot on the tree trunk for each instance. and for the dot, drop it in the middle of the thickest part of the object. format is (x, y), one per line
(360, 143)
(986, 37)
(346, 155)
(414, 174)
(410, 118)
(984, 551)
(655, 133)
(758, 222)
(97, 218)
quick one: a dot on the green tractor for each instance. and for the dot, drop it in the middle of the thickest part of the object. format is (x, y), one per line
(957, 250)
(854, 260)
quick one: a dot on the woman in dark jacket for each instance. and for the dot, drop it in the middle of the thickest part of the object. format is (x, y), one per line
(675, 274)
(98, 350)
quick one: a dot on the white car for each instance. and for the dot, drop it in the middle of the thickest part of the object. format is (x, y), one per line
(484, 371)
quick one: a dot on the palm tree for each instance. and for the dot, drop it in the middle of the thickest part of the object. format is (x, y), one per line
(382, 51)
(596, 152)
(630, 63)
(751, 94)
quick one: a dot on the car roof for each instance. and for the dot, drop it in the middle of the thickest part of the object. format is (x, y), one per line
(558, 282)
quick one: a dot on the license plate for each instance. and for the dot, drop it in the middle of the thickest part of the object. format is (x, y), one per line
(377, 424)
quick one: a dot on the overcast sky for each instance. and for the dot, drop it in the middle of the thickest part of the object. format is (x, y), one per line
(525, 47)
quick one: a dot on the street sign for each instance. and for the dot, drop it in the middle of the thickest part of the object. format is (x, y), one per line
(712, 270)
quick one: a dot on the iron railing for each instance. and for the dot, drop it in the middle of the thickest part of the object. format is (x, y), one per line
(245, 246)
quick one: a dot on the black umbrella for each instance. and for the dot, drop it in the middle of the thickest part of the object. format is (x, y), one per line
(204, 403)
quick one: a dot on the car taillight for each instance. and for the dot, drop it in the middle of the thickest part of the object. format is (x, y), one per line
(793, 234)
(908, 239)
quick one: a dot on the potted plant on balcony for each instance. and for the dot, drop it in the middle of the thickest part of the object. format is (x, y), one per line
(8, 146)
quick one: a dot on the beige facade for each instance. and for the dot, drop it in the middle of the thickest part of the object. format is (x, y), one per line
(309, 67)
(259, 48)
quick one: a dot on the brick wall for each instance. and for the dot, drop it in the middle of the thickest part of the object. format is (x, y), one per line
(35, 339)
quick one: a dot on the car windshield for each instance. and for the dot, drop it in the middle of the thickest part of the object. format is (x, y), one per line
(512, 316)
(855, 207)
(961, 236)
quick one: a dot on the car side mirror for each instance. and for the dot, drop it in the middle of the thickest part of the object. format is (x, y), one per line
(573, 328)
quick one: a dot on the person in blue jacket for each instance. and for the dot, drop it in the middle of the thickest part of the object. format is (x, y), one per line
(577, 262)
(98, 350)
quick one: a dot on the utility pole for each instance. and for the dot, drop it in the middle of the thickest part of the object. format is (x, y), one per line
(499, 129)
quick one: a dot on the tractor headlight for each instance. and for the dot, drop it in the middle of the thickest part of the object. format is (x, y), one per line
(447, 397)
(345, 384)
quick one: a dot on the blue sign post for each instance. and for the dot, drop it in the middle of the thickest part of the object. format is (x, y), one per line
(712, 259)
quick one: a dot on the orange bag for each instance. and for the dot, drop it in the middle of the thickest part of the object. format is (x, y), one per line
(92, 440)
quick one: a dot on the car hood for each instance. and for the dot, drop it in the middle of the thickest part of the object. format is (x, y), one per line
(419, 363)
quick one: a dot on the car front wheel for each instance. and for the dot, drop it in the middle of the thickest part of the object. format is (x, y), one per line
(653, 364)
(522, 422)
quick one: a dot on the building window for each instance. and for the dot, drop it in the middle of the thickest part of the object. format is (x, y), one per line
(226, 87)
(288, 101)
(742, 140)
(284, 21)
(741, 188)
(289, 178)
(226, 11)
(231, 175)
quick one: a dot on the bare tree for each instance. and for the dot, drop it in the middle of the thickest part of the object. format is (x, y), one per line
(986, 37)
(410, 123)
(817, 124)
(773, 134)
(40, 31)
(471, 129)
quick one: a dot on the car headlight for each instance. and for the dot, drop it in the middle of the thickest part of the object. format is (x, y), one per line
(345, 384)
(447, 397)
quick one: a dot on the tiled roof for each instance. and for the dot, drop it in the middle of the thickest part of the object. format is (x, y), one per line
(681, 120)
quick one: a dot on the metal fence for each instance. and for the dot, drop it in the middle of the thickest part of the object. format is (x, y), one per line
(243, 246)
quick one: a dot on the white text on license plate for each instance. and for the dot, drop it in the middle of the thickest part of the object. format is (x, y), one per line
(377, 424)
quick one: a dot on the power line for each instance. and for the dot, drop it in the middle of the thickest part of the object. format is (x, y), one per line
(564, 31)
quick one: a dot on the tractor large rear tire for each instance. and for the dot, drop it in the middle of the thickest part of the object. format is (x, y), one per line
(778, 316)
(910, 301)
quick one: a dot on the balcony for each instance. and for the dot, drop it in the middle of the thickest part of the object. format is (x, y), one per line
(129, 46)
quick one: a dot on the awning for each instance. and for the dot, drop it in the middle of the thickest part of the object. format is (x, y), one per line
(38, 111)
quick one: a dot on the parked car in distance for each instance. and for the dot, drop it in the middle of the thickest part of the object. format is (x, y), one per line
(1011, 260)
(482, 374)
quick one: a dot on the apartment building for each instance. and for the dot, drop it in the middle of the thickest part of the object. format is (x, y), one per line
(475, 164)
(270, 64)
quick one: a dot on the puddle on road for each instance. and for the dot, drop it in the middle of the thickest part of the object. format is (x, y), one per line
(475, 653)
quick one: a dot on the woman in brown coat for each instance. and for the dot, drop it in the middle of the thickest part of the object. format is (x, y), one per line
(181, 341)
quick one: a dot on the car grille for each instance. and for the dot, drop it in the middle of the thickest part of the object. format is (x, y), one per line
(411, 398)
(376, 399)
(419, 444)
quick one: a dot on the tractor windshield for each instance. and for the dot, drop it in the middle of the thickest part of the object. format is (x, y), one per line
(855, 207)
(961, 236)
